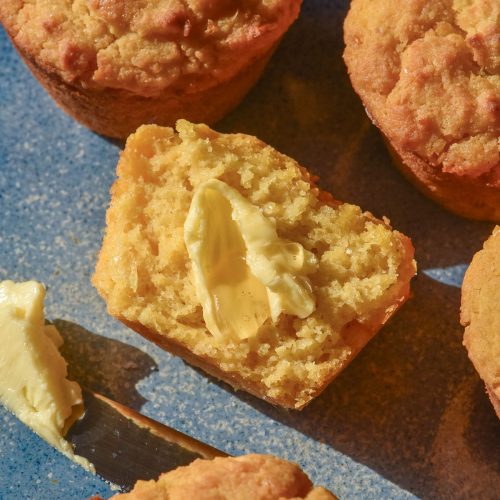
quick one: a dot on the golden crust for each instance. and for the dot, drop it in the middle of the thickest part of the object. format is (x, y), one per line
(143, 270)
(117, 113)
(480, 314)
(249, 477)
(495, 401)
(355, 337)
(429, 76)
(465, 196)
(145, 46)
(115, 65)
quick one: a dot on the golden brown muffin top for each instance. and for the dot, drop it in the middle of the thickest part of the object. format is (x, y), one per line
(145, 46)
(249, 477)
(428, 72)
(481, 312)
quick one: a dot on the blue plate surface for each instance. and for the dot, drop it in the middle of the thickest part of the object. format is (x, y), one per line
(408, 418)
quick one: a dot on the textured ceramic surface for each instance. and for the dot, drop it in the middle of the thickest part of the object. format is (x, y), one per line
(408, 418)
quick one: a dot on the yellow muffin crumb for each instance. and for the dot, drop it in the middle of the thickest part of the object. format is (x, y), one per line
(145, 275)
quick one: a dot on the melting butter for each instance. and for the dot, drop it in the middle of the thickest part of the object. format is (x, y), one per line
(244, 273)
(33, 383)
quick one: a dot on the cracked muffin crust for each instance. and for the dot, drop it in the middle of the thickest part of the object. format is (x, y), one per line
(249, 477)
(115, 65)
(480, 314)
(428, 73)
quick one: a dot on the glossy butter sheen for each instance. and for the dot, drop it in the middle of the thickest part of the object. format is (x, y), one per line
(244, 273)
(33, 383)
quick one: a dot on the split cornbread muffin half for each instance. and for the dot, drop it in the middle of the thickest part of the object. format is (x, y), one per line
(224, 252)
(116, 64)
(480, 314)
(428, 73)
(249, 477)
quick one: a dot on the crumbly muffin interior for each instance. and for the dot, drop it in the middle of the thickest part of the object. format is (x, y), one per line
(144, 272)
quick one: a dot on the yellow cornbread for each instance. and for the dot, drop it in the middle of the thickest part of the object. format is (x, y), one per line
(146, 276)
(33, 383)
(480, 315)
(244, 273)
(248, 477)
(116, 64)
(428, 73)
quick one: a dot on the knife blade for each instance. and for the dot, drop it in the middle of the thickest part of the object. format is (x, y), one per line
(124, 445)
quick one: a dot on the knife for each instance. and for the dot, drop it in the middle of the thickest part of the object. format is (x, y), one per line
(125, 446)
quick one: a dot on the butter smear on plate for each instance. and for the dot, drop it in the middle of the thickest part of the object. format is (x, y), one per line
(33, 383)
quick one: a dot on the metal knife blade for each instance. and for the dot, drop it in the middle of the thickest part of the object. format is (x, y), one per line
(125, 446)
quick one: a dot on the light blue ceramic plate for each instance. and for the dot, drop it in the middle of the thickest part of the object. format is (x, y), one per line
(409, 417)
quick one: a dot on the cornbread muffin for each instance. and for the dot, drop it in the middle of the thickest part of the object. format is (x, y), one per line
(428, 73)
(249, 477)
(114, 65)
(145, 275)
(480, 314)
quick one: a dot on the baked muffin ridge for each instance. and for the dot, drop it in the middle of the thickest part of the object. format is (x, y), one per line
(480, 315)
(429, 75)
(145, 46)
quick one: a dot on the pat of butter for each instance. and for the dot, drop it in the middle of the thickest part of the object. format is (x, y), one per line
(33, 382)
(244, 273)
